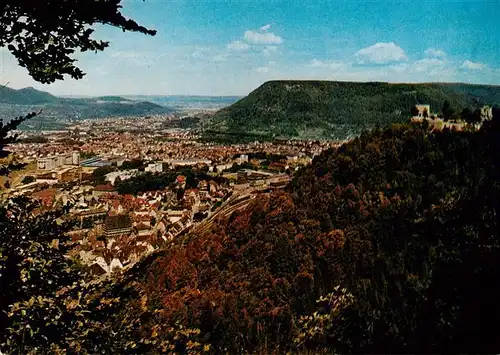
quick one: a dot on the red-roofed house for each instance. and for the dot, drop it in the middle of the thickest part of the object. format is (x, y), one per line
(143, 229)
(46, 197)
(100, 190)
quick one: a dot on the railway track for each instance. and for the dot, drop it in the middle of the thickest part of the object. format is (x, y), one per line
(233, 204)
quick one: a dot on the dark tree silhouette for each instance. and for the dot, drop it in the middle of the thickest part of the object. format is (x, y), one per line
(476, 116)
(447, 111)
(414, 111)
(28, 179)
(132, 164)
(44, 35)
(466, 114)
(470, 116)
(6, 137)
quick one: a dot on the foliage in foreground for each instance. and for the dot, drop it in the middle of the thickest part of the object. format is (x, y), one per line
(379, 246)
(8, 137)
(32, 261)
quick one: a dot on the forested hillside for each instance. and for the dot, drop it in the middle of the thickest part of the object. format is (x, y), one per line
(26, 96)
(387, 245)
(329, 109)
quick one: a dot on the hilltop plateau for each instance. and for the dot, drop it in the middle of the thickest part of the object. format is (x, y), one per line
(336, 110)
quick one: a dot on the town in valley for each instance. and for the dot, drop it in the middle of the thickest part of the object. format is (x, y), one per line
(131, 185)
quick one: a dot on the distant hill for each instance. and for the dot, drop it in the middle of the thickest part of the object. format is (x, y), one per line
(26, 96)
(329, 109)
(187, 104)
(113, 99)
(18, 102)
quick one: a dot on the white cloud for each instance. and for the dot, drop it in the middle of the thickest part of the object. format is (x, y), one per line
(199, 54)
(262, 69)
(381, 53)
(220, 58)
(265, 27)
(335, 64)
(254, 37)
(269, 50)
(433, 69)
(437, 53)
(238, 46)
(315, 63)
(428, 64)
(473, 65)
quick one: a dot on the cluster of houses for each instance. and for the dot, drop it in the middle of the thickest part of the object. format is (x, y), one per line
(115, 230)
(112, 231)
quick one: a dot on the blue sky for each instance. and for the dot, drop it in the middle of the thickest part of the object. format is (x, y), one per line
(231, 47)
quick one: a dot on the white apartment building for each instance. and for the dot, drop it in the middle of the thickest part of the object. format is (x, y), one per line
(56, 161)
(154, 167)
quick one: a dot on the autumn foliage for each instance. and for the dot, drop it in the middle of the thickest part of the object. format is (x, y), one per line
(388, 244)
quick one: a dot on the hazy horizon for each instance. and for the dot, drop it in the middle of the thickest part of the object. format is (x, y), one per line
(62, 95)
(142, 95)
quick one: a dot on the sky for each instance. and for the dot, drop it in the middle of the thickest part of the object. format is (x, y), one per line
(216, 47)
